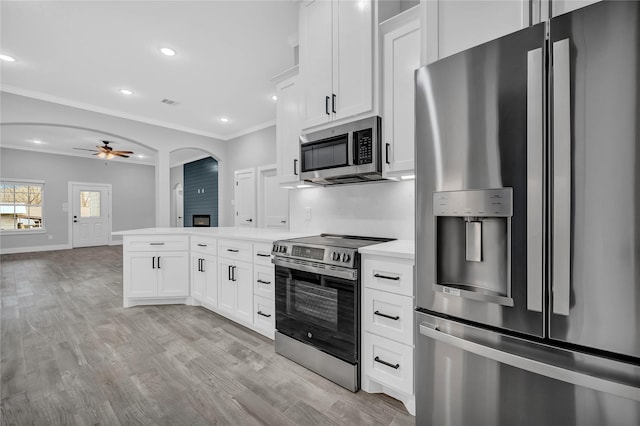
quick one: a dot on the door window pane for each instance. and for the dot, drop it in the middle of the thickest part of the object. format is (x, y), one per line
(89, 204)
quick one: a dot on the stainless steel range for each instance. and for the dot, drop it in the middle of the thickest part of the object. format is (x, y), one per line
(318, 304)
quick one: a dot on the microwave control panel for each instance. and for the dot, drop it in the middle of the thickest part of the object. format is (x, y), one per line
(363, 145)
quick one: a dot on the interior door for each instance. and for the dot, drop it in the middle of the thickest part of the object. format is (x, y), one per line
(245, 198)
(91, 223)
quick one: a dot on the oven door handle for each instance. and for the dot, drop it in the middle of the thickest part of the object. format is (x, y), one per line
(337, 272)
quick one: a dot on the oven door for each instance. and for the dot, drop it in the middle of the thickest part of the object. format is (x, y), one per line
(319, 310)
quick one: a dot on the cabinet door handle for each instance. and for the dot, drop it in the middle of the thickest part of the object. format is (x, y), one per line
(264, 282)
(295, 166)
(263, 314)
(263, 255)
(380, 314)
(156, 244)
(233, 273)
(153, 262)
(386, 153)
(388, 364)
(202, 245)
(333, 103)
(386, 277)
(229, 273)
(201, 265)
(326, 105)
(283, 221)
(158, 262)
(233, 250)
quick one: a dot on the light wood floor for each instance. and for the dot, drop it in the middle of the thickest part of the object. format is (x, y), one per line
(72, 355)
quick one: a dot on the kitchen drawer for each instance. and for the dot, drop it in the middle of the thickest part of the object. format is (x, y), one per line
(206, 245)
(262, 254)
(392, 276)
(156, 243)
(388, 362)
(237, 250)
(388, 315)
(264, 281)
(264, 316)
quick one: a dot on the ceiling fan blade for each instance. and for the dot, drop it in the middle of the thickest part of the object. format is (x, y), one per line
(119, 154)
(122, 152)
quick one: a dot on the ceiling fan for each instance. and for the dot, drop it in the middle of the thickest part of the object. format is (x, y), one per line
(105, 151)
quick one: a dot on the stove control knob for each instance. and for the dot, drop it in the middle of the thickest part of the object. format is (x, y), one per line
(335, 255)
(283, 249)
(345, 257)
(275, 248)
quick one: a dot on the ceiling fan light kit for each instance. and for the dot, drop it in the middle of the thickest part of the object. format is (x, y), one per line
(106, 152)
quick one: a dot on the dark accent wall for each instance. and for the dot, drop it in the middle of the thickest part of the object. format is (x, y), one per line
(201, 190)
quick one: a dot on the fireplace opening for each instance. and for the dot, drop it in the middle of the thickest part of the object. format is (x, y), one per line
(201, 220)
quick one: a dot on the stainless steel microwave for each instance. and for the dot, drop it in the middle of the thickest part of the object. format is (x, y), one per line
(348, 153)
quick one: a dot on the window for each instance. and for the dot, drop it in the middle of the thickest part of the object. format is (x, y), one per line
(21, 205)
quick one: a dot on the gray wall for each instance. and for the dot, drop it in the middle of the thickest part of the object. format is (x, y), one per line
(176, 176)
(244, 152)
(133, 192)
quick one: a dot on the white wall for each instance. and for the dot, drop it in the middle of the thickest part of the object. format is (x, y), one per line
(384, 209)
(21, 109)
(176, 176)
(248, 151)
(133, 193)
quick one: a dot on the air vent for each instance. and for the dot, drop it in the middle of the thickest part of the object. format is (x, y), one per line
(169, 102)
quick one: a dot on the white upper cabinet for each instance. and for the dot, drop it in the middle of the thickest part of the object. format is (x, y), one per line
(336, 60)
(401, 57)
(452, 26)
(288, 125)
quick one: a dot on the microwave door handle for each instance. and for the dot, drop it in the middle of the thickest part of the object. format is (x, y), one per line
(535, 182)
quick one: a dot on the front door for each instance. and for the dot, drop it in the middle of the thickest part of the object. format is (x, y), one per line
(90, 214)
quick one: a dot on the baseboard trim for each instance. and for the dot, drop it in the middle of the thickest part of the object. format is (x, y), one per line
(35, 249)
(116, 243)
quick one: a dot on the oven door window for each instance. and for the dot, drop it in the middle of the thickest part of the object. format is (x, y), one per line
(326, 154)
(319, 310)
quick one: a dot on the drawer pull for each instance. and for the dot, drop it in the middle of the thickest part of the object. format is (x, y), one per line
(202, 245)
(156, 244)
(263, 255)
(263, 314)
(233, 250)
(380, 314)
(388, 364)
(264, 282)
(386, 277)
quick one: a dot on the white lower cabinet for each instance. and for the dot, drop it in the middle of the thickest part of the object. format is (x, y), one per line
(232, 277)
(264, 316)
(235, 290)
(388, 328)
(155, 271)
(204, 279)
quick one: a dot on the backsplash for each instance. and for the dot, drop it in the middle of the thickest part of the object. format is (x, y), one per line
(384, 209)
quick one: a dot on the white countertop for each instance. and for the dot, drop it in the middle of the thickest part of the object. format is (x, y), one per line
(250, 234)
(399, 248)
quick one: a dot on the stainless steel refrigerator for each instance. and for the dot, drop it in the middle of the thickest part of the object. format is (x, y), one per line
(528, 226)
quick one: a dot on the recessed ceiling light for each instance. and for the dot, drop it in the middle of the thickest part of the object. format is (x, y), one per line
(126, 92)
(7, 58)
(140, 156)
(37, 141)
(167, 52)
(274, 97)
(224, 119)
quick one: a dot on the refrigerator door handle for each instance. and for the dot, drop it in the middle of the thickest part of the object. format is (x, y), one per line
(535, 181)
(531, 365)
(561, 230)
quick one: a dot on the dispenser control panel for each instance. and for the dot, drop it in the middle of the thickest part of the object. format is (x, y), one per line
(474, 203)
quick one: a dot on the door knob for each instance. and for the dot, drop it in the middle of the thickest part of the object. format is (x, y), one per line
(249, 220)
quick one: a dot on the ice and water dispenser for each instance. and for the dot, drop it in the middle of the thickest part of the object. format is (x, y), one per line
(473, 243)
